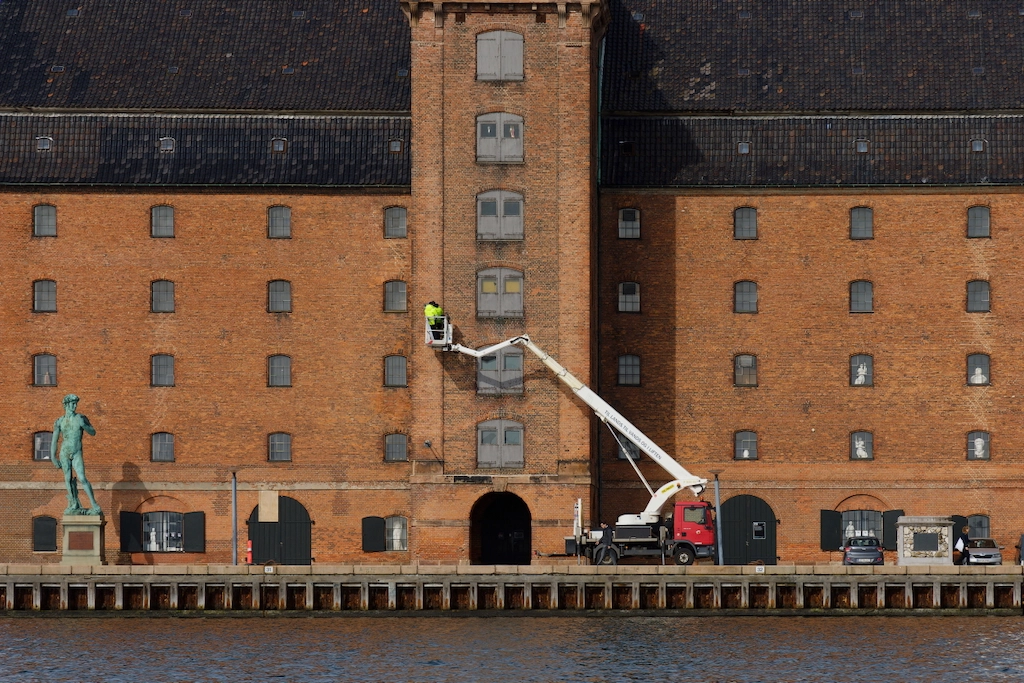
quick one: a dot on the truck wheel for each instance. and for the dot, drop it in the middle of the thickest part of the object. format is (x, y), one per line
(683, 555)
(606, 556)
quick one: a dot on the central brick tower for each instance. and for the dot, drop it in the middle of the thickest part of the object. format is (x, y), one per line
(503, 98)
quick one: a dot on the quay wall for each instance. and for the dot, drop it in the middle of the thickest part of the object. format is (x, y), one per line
(257, 589)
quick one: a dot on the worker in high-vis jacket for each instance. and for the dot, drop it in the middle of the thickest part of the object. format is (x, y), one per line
(435, 318)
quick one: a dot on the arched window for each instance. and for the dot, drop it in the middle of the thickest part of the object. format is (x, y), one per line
(396, 533)
(499, 293)
(862, 371)
(629, 297)
(862, 223)
(279, 447)
(629, 224)
(499, 444)
(629, 370)
(862, 298)
(979, 371)
(499, 56)
(395, 297)
(396, 448)
(44, 222)
(161, 296)
(978, 446)
(744, 223)
(162, 370)
(279, 371)
(44, 366)
(44, 296)
(395, 222)
(499, 137)
(395, 374)
(161, 223)
(978, 297)
(745, 370)
(279, 222)
(862, 446)
(979, 222)
(862, 524)
(279, 296)
(162, 447)
(745, 446)
(745, 297)
(499, 215)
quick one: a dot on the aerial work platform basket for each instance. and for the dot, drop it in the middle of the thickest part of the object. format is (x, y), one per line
(438, 335)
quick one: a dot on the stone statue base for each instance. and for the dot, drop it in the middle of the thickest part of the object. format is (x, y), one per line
(83, 540)
(924, 540)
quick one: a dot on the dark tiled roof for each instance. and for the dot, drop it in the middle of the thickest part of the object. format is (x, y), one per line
(330, 151)
(229, 55)
(811, 151)
(802, 55)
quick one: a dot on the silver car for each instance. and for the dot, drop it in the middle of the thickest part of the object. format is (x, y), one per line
(983, 551)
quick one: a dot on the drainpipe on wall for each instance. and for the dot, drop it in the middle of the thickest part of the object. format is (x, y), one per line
(234, 518)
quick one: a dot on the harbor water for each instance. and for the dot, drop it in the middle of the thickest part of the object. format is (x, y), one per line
(424, 649)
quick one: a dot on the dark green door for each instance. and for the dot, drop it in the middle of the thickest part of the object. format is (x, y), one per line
(748, 530)
(286, 541)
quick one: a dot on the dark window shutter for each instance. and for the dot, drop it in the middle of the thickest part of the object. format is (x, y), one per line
(44, 534)
(831, 530)
(131, 532)
(194, 532)
(373, 534)
(889, 538)
(959, 522)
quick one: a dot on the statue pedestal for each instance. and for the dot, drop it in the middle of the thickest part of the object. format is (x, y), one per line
(83, 540)
(924, 540)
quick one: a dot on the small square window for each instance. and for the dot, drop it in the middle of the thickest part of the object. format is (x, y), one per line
(166, 144)
(974, 13)
(638, 16)
(279, 145)
(856, 14)
(298, 14)
(977, 146)
(978, 70)
(44, 144)
(288, 70)
(185, 13)
(742, 71)
(394, 146)
(627, 148)
(858, 70)
(628, 450)
(279, 447)
(72, 13)
(172, 69)
(57, 69)
(488, 130)
(862, 146)
(743, 148)
(745, 446)
(744, 14)
(629, 224)
(162, 447)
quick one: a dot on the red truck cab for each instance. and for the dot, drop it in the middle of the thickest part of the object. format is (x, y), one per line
(694, 521)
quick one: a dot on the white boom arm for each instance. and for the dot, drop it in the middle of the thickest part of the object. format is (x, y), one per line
(680, 477)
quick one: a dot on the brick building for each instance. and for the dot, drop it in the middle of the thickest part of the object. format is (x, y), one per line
(780, 239)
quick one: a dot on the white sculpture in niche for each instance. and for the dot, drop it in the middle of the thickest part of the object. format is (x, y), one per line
(979, 448)
(978, 377)
(862, 374)
(860, 451)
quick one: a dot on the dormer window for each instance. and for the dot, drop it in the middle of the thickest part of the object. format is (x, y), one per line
(395, 146)
(57, 69)
(166, 144)
(977, 146)
(298, 14)
(743, 148)
(862, 146)
(44, 144)
(278, 145)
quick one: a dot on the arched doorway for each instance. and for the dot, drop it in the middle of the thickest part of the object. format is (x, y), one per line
(286, 541)
(499, 530)
(748, 530)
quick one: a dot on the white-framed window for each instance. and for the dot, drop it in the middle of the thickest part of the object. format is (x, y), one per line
(279, 222)
(500, 372)
(395, 222)
(162, 532)
(279, 371)
(279, 296)
(745, 446)
(41, 445)
(979, 296)
(499, 444)
(499, 293)
(862, 223)
(629, 224)
(862, 446)
(629, 297)
(161, 221)
(629, 370)
(744, 223)
(162, 370)
(44, 296)
(862, 297)
(395, 371)
(979, 221)
(44, 370)
(161, 447)
(44, 143)
(978, 446)
(166, 145)
(396, 447)
(44, 220)
(499, 138)
(499, 56)
(745, 370)
(499, 215)
(279, 145)
(862, 370)
(979, 371)
(395, 299)
(396, 533)
(161, 296)
(744, 298)
(279, 447)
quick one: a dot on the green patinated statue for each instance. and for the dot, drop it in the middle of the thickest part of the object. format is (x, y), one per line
(70, 426)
